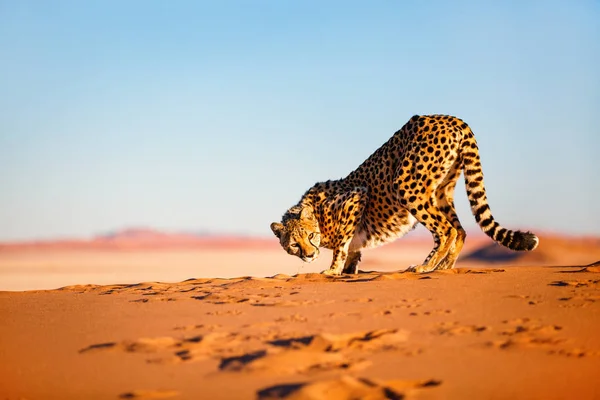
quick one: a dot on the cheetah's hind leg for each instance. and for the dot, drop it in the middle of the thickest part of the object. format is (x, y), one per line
(444, 195)
(439, 254)
(351, 265)
(449, 261)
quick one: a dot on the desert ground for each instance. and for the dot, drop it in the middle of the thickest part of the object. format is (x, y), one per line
(130, 318)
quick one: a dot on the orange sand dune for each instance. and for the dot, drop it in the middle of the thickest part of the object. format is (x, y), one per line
(522, 332)
(552, 250)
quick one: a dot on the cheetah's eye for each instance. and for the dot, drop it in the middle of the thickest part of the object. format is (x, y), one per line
(311, 236)
(294, 246)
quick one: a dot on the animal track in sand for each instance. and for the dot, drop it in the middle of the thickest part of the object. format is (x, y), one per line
(525, 341)
(265, 336)
(430, 313)
(528, 328)
(202, 286)
(146, 300)
(261, 325)
(292, 318)
(359, 300)
(579, 300)
(209, 327)
(186, 349)
(149, 394)
(345, 387)
(343, 314)
(212, 290)
(142, 345)
(382, 339)
(460, 271)
(456, 329)
(582, 293)
(224, 312)
(576, 352)
(256, 300)
(525, 332)
(577, 283)
(529, 299)
(266, 350)
(323, 351)
(409, 303)
(287, 362)
(389, 309)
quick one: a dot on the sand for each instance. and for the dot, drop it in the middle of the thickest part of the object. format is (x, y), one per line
(527, 332)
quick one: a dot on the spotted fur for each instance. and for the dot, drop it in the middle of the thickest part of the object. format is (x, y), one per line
(408, 180)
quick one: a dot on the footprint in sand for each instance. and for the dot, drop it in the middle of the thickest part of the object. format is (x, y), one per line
(345, 387)
(579, 300)
(410, 303)
(359, 300)
(286, 362)
(256, 300)
(577, 283)
(218, 298)
(582, 293)
(146, 300)
(292, 318)
(315, 352)
(382, 339)
(525, 332)
(149, 394)
(430, 313)
(525, 341)
(224, 312)
(530, 328)
(460, 271)
(208, 327)
(173, 350)
(576, 353)
(530, 300)
(456, 329)
(290, 303)
(142, 345)
(344, 314)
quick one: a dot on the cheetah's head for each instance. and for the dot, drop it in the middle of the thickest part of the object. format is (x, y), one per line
(299, 233)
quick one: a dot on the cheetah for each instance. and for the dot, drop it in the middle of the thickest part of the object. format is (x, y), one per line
(408, 180)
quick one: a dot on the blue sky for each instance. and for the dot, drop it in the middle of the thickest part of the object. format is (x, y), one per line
(217, 116)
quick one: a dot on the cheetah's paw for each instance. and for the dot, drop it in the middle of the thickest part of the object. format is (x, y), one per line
(419, 269)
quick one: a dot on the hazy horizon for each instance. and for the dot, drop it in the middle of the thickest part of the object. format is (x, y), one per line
(218, 116)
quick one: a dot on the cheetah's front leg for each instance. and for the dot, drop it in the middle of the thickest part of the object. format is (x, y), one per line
(339, 259)
(347, 209)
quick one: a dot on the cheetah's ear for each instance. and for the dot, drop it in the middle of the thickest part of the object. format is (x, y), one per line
(306, 213)
(277, 229)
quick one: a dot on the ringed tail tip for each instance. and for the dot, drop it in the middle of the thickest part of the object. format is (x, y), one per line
(525, 241)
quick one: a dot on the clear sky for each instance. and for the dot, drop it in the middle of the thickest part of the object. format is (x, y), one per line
(217, 115)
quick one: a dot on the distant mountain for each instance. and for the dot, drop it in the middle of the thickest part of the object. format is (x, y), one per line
(553, 249)
(145, 239)
(147, 233)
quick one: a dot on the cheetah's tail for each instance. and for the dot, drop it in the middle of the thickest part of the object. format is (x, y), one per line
(514, 240)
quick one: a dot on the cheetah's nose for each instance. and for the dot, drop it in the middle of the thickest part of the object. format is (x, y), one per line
(310, 257)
